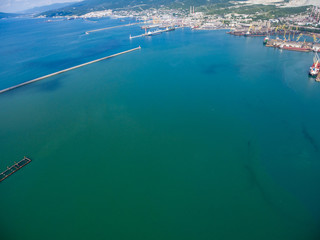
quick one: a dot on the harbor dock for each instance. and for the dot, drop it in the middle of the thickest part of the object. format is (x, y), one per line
(68, 69)
(291, 45)
(15, 167)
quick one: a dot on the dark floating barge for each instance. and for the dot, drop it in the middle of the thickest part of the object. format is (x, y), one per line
(15, 167)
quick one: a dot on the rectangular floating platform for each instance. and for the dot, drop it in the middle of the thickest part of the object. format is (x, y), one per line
(15, 167)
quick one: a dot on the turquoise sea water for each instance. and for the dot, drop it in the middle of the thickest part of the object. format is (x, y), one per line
(199, 135)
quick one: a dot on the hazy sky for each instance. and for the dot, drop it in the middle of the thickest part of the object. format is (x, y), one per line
(20, 5)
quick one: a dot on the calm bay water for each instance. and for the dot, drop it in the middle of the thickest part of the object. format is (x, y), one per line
(200, 135)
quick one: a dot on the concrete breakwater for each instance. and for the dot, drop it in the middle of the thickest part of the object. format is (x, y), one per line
(107, 28)
(68, 69)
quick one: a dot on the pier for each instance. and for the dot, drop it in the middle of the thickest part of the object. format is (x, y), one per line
(66, 70)
(150, 26)
(107, 28)
(137, 36)
(168, 29)
(15, 167)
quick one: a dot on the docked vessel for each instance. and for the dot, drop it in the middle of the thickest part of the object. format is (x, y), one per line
(295, 46)
(299, 49)
(265, 40)
(255, 34)
(236, 33)
(314, 69)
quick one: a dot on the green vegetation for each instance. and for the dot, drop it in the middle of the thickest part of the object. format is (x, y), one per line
(219, 7)
(98, 5)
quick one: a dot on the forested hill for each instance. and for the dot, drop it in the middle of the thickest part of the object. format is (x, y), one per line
(98, 5)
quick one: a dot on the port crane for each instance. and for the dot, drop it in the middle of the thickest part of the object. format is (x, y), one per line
(300, 35)
(314, 38)
(284, 35)
(283, 27)
(294, 33)
(289, 29)
(251, 27)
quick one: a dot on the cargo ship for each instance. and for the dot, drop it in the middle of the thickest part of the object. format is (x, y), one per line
(299, 49)
(314, 69)
(255, 34)
(236, 33)
(295, 46)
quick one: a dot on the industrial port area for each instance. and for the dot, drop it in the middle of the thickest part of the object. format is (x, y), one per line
(299, 31)
(296, 32)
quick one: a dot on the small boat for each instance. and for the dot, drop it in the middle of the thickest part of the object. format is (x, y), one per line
(314, 69)
(265, 40)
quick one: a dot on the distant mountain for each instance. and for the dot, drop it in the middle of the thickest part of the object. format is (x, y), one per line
(8, 15)
(50, 7)
(98, 5)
